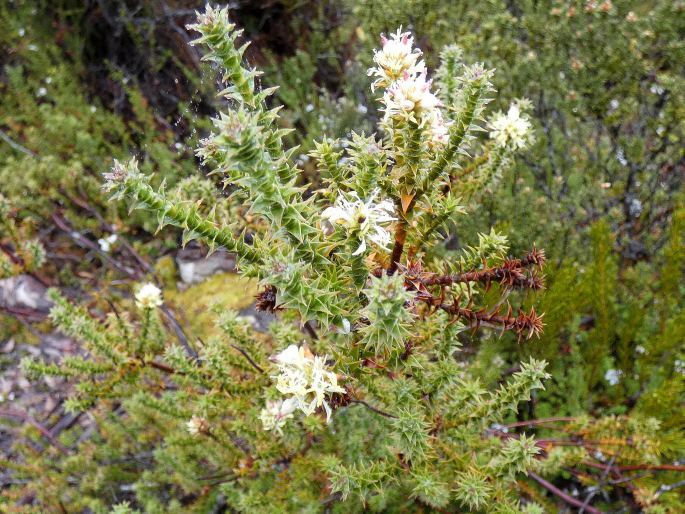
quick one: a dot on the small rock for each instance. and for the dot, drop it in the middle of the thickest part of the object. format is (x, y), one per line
(194, 266)
(8, 347)
(24, 291)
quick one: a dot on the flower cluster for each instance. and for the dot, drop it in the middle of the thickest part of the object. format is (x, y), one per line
(197, 425)
(410, 94)
(148, 296)
(361, 219)
(407, 89)
(277, 413)
(305, 378)
(439, 129)
(396, 58)
(512, 130)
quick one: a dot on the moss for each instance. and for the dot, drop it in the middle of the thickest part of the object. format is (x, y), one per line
(165, 269)
(227, 290)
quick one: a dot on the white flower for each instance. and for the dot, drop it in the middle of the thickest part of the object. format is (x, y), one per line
(148, 296)
(679, 366)
(361, 219)
(197, 425)
(439, 130)
(291, 356)
(277, 413)
(41, 92)
(510, 129)
(397, 57)
(107, 242)
(305, 379)
(409, 94)
(613, 376)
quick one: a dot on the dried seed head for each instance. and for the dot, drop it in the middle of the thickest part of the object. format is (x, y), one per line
(266, 300)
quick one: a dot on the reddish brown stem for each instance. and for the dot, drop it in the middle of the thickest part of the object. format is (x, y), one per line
(507, 275)
(163, 367)
(540, 421)
(373, 409)
(398, 248)
(636, 467)
(248, 358)
(523, 324)
(561, 494)
(27, 418)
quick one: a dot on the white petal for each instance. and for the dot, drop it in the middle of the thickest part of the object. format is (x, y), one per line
(361, 249)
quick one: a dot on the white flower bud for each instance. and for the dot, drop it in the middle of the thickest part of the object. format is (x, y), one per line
(197, 425)
(276, 413)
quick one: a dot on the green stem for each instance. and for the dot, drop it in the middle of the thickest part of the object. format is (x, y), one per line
(189, 219)
(457, 136)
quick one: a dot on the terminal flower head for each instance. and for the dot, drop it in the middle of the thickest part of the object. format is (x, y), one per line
(148, 296)
(305, 380)
(396, 57)
(197, 425)
(364, 220)
(511, 129)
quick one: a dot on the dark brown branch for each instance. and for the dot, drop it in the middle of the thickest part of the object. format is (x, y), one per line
(374, 409)
(180, 333)
(523, 324)
(507, 275)
(561, 494)
(27, 418)
(398, 247)
(637, 467)
(510, 274)
(247, 356)
(163, 367)
(310, 330)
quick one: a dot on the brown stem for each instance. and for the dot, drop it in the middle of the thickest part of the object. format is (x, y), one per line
(247, 356)
(163, 367)
(374, 409)
(311, 330)
(540, 421)
(510, 274)
(27, 418)
(398, 247)
(636, 467)
(523, 324)
(561, 494)
(507, 275)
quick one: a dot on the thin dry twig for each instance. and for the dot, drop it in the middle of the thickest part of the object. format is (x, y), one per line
(27, 418)
(561, 494)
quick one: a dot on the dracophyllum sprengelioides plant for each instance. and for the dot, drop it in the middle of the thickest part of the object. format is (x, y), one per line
(355, 263)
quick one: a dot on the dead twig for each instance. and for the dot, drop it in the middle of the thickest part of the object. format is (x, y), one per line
(27, 418)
